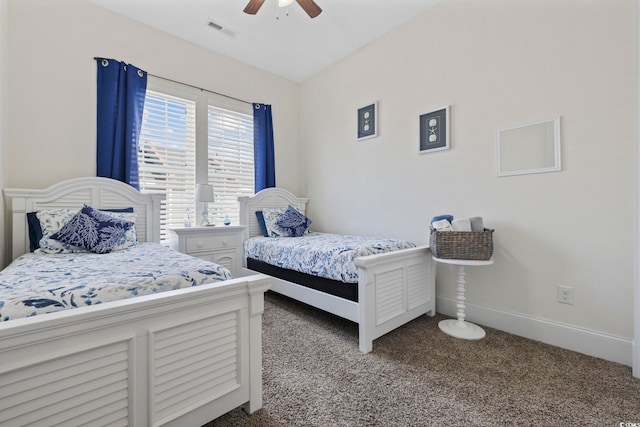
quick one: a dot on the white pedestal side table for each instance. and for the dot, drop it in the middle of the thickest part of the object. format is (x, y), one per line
(460, 328)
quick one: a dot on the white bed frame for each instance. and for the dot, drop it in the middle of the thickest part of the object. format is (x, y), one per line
(178, 358)
(393, 288)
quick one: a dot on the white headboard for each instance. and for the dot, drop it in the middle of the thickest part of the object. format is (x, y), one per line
(267, 198)
(101, 193)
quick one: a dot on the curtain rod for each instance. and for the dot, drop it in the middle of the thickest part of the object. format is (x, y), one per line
(186, 84)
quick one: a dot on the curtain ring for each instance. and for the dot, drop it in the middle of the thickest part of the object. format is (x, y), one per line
(257, 106)
(140, 73)
(105, 62)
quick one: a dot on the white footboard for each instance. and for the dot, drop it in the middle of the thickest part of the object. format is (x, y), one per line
(393, 289)
(177, 358)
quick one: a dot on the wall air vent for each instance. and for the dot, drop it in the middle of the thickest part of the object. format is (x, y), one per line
(215, 26)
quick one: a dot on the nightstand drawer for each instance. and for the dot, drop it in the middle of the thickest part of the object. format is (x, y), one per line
(225, 259)
(203, 243)
(221, 245)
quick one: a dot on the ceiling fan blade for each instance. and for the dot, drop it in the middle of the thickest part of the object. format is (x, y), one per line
(253, 6)
(310, 7)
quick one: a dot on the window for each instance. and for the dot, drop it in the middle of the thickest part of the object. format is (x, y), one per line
(173, 154)
(166, 156)
(230, 160)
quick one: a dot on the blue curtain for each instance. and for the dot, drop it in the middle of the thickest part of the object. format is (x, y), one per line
(265, 166)
(121, 92)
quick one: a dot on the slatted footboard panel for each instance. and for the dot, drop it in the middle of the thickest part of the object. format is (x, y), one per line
(400, 290)
(417, 285)
(89, 387)
(390, 301)
(393, 289)
(195, 363)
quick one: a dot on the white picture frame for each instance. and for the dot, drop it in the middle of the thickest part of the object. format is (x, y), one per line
(529, 149)
(434, 131)
(368, 121)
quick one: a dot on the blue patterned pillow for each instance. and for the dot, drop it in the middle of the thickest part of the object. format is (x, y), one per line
(51, 222)
(270, 216)
(293, 222)
(94, 230)
(36, 233)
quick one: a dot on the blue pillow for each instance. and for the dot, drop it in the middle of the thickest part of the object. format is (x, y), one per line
(263, 226)
(35, 229)
(293, 222)
(94, 230)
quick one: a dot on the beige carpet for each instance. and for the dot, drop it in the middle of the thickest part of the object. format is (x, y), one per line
(314, 375)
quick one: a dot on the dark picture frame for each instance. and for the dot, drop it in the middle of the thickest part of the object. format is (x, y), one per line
(434, 130)
(368, 121)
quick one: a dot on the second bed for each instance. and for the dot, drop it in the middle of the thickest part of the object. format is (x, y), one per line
(382, 290)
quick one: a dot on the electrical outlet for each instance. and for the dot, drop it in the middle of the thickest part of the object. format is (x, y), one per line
(565, 295)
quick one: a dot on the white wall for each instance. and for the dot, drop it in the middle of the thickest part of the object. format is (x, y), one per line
(636, 341)
(4, 53)
(52, 119)
(497, 63)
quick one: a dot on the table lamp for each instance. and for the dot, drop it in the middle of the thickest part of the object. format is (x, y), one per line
(204, 194)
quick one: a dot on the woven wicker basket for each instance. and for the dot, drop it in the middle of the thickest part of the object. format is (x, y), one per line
(466, 245)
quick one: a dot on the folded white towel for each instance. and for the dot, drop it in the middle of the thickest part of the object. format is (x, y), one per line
(442, 225)
(477, 224)
(461, 224)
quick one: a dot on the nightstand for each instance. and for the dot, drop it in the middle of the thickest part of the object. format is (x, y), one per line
(222, 245)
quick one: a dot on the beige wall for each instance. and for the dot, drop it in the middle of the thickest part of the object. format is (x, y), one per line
(497, 63)
(53, 86)
(4, 53)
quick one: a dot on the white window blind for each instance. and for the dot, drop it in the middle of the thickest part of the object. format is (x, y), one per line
(230, 160)
(166, 157)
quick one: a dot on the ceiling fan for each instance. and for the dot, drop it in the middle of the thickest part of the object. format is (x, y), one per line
(309, 6)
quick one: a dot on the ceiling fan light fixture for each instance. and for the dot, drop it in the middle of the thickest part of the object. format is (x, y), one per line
(309, 6)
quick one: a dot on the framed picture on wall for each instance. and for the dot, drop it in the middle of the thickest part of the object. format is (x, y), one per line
(368, 121)
(434, 130)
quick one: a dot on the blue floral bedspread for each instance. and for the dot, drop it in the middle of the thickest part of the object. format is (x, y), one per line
(320, 254)
(44, 283)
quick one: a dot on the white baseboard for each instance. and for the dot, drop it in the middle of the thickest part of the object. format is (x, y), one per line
(592, 343)
(636, 360)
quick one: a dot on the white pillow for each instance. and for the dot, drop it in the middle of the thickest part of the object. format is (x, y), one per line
(51, 221)
(271, 216)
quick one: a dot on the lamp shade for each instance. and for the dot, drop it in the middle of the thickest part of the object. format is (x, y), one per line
(204, 193)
